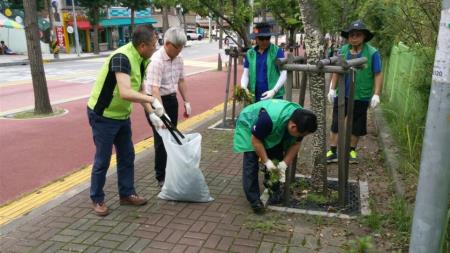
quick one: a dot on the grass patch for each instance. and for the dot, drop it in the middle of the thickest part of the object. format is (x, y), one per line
(30, 114)
(270, 222)
(375, 219)
(360, 245)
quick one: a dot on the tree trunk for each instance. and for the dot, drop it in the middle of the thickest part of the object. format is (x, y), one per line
(165, 18)
(313, 36)
(95, 24)
(41, 99)
(132, 23)
(291, 39)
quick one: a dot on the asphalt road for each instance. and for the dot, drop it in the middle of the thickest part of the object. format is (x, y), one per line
(38, 151)
(85, 70)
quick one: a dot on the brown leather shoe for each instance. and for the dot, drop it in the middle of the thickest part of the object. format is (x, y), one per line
(100, 209)
(133, 200)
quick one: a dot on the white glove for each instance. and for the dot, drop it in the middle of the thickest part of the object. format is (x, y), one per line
(188, 109)
(269, 165)
(268, 94)
(331, 94)
(282, 166)
(375, 101)
(158, 108)
(244, 79)
(156, 121)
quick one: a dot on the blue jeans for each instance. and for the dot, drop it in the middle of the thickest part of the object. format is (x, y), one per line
(250, 172)
(106, 133)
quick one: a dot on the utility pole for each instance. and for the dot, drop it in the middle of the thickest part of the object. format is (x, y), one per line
(77, 44)
(430, 213)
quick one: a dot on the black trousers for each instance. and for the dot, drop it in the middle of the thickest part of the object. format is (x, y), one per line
(250, 172)
(170, 104)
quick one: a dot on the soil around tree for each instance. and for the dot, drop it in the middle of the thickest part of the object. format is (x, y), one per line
(30, 114)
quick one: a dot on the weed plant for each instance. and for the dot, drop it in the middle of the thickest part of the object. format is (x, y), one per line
(405, 106)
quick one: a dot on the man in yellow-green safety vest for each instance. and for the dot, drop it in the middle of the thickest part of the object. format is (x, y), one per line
(118, 85)
(270, 129)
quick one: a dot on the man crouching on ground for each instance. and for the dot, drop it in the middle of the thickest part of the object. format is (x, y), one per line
(270, 129)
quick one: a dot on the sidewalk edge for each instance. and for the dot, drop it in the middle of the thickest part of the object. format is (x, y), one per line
(390, 151)
(7, 223)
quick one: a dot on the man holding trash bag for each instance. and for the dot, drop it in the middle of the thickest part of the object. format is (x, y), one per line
(368, 85)
(109, 107)
(165, 75)
(269, 129)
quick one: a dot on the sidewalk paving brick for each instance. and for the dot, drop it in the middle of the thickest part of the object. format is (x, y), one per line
(226, 224)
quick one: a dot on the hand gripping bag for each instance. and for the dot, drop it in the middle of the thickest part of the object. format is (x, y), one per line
(184, 180)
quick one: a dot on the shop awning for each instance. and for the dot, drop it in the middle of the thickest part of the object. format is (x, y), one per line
(83, 25)
(126, 21)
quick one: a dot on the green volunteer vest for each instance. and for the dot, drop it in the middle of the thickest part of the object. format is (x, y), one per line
(364, 77)
(279, 111)
(272, 72)
(105, 98)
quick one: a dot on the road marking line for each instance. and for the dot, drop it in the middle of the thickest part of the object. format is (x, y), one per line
(62, 101)
(93, 74)
(43, 195)
(52, 77)
(200, 63)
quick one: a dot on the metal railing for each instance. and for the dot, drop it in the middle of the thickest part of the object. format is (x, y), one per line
(297, 76)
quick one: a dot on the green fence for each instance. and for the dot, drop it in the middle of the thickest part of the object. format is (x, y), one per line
(405, 95)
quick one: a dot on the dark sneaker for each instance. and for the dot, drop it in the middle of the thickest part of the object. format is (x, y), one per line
(258, 208)
(133, 200)
(332, 157)
(353, 157)
(100, 209)
(160, 184)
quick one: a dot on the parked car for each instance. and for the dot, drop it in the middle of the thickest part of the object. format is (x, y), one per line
(192, 35)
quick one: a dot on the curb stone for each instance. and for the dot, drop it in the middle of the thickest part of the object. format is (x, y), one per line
(390, 151)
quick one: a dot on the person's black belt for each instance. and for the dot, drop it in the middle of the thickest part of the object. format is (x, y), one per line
(169, 95)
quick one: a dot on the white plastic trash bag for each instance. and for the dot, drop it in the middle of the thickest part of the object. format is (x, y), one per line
(184, 180)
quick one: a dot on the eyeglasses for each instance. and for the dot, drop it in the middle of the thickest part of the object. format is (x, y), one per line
(264, 38)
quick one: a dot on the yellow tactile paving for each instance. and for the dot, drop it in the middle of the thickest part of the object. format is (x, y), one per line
(41, 196)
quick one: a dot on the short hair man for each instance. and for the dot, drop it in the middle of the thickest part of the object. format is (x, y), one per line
(118, 85)
(368, 85)
(165, 75)
(269, 129)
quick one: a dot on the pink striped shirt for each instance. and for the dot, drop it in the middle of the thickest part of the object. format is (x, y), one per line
(164, 73)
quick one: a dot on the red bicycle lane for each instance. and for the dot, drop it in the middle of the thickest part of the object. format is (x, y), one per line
(38, 151)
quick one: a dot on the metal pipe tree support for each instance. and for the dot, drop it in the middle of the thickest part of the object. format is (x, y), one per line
(433, 191)
(323, 66)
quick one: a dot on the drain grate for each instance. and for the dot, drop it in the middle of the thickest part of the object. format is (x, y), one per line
(302, 201)
(352, 207)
